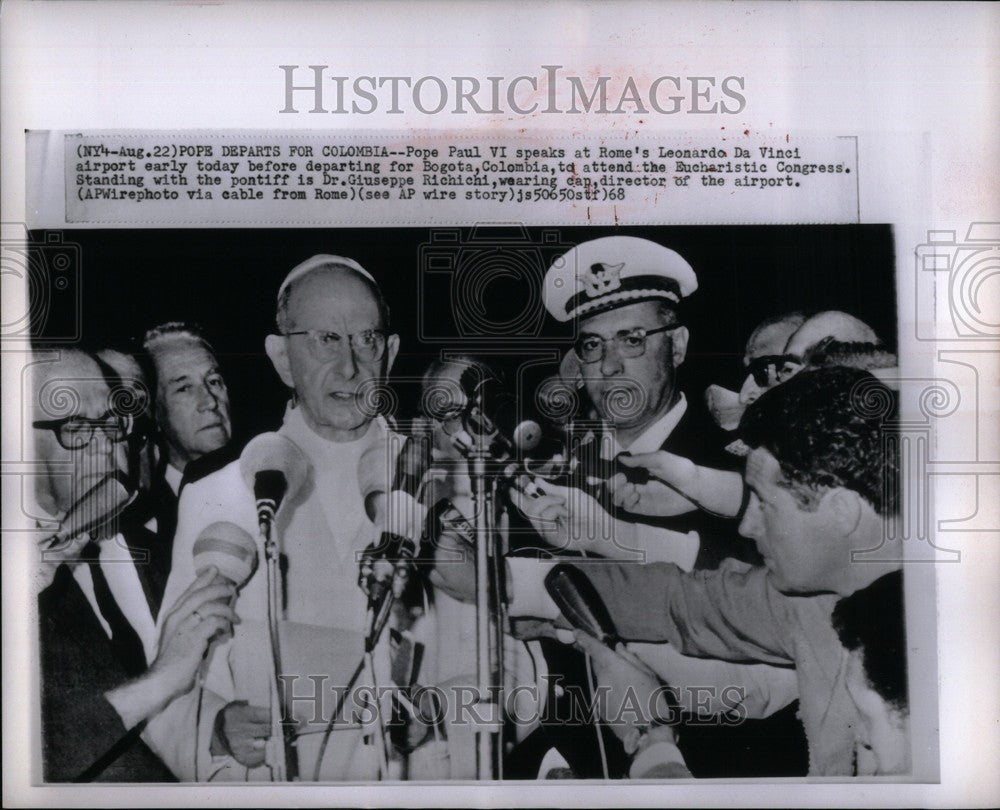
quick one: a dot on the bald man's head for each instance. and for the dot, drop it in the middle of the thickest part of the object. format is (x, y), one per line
(830, 324)
(333, 350)
(70, 394)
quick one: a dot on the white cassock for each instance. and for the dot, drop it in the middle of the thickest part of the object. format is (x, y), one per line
(322, 530)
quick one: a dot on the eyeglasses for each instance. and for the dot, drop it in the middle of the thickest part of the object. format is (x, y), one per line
(77, 432)
(367, 346)
(772, 369)
(628, 342)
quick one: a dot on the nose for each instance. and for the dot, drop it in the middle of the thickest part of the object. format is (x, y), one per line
(345, 364)
(611, 363)
(207, 401)
(102, 456)
(750, 390)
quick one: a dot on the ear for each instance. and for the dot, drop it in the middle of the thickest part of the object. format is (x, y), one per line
(680, 342)
(391, 350)
(844, 508)
(276, 347)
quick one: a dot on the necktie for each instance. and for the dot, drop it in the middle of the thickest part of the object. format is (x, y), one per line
(124, 640)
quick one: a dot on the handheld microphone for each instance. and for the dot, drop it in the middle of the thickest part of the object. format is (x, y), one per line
(93, 510)
(229, 548)
(273, 469)
(581, 605)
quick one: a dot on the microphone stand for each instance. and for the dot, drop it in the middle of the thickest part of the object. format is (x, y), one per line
(488, 732)
(279, 754)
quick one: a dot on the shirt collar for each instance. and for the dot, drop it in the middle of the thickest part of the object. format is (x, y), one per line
(653, 437)
(297, 429)
(173, 477)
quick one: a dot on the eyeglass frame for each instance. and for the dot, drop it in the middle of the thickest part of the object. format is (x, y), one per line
(617, 336)
(126, 423)
(350, 342)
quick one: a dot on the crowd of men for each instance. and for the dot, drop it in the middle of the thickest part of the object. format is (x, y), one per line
(736, 541)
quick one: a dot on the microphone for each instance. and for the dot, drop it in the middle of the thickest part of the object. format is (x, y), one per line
(229, 548)
(395, 509)
(401, 517)
(93, 510)
(273, 469)
(581, 605)
(492, 416)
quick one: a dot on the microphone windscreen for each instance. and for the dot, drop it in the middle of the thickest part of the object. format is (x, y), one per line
(273, 452)
(580, 603)
(95, 507)
(229, 548)
(527, 436)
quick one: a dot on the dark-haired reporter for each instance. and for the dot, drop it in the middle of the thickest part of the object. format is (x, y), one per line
(823, 484)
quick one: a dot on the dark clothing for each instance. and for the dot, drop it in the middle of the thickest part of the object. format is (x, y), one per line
(774, 746)
(79, 664)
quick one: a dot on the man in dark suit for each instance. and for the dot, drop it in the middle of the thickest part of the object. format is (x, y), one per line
(625, 296)
(191, 410)
(103, 673)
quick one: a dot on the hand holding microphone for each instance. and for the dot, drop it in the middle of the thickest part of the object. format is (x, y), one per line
(229, 551)
(199, 615)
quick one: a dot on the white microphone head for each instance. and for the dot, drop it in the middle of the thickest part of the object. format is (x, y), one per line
(229, 548)
(272, 451)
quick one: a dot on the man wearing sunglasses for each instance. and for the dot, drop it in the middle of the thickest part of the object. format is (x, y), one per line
(626, 296)
(103, 673)
(332, 350)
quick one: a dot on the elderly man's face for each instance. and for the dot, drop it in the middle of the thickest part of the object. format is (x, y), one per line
(332, 389)
(631, 392)
(192, 401)
(67, 394)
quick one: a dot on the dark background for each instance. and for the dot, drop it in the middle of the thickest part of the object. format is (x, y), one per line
(226, 280)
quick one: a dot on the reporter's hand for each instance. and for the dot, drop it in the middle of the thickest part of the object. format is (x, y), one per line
(199, 616)
(622, 673)
(679, 472)
(654, 498)
(568, 518)
(242, 730)
(454, 566)
(547, 514)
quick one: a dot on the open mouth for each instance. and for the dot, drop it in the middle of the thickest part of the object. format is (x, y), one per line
(341, 396)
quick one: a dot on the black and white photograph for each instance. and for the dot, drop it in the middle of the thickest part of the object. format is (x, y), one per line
(665, 449)
(466, 405)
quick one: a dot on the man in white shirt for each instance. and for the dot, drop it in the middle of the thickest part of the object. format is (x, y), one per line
(98, 592)
(332, 350)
